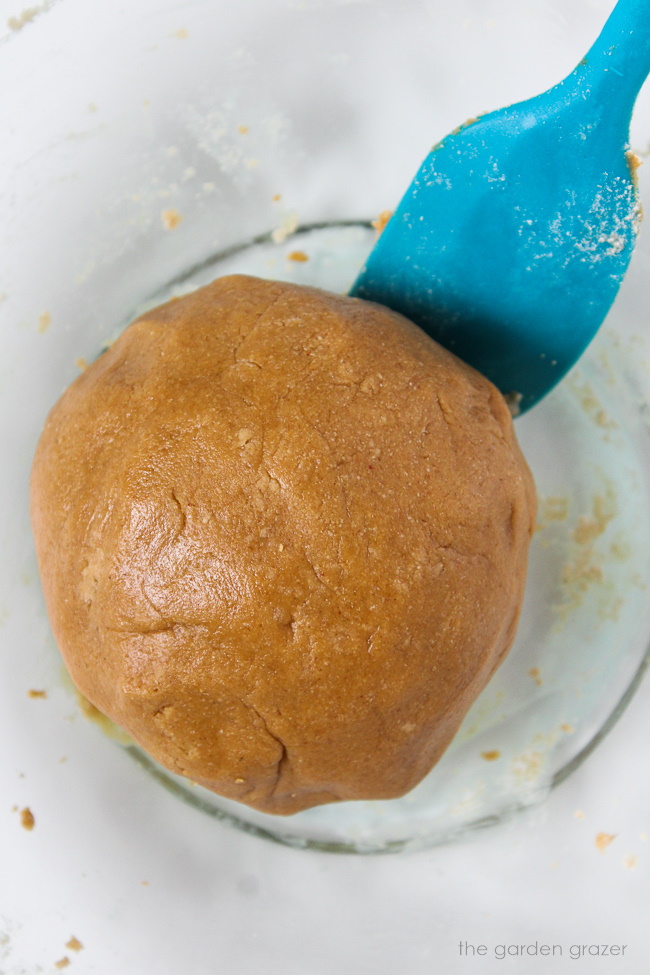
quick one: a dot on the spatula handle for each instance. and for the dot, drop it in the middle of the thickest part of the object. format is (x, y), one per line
(619, 61)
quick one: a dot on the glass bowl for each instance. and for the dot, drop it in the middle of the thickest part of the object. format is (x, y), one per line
(151, 154)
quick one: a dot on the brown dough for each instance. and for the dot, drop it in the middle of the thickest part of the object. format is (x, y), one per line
(282, 537)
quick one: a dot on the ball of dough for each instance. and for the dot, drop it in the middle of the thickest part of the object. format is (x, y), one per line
(282, 536)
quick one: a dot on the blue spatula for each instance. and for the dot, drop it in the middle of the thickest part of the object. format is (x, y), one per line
(512, 241)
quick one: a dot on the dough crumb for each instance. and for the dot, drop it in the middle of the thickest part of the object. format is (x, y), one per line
(381, 220)
(298, 256)
(491, 756)
(171, 219)
(631, 861)
(74, 944)
(181, 33)
(243, 129)
(27, 15)
(634, 161)
(579, 814)
(514, 403)
(44, 322)
(62, 962)
(33, 693)
(276, 197)
(288, 227)
(81, 363)
(603, 840)
(536, 674)
(27, 820)
(568, 729)
(554, 509)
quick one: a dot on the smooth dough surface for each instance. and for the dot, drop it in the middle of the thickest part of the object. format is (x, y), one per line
(282, 537)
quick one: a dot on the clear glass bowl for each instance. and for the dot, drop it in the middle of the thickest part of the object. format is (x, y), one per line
(147, 158)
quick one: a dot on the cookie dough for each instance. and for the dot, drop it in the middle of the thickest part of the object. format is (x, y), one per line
(282, 536)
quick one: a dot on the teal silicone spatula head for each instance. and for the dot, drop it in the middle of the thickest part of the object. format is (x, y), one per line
(512, 241)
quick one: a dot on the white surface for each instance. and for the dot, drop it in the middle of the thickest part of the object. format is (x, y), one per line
(145, 882)
(219, 901)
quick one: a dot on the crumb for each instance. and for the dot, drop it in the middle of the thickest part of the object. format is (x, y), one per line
(239, 781)
(64, 758)
(513, 402)
(28, 14)
(579, 814)
(554, 509)
(181, 33)
(74, 944)
(585, 393)
(380, 222)
(251, 163)
(27, 820)
(491, 756)
(568, 729)
(536, 674)
(633, 160)
(603, 840)
(602, 420)
(170, 219)
(62, 962)
(298, 256)
(631, 861)
(276, 197)
(44, 322)
(474, 118)
(554, 865)
(33, 693)
(528, 766)
(81, 363)
(288, 226)
(585, 569)
(587, 530)
(243, 129)
(144, 883)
